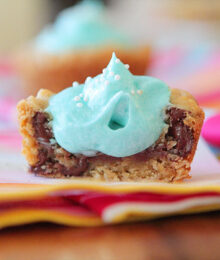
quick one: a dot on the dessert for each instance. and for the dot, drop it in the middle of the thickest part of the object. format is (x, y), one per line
(114, 127)
(77, 45)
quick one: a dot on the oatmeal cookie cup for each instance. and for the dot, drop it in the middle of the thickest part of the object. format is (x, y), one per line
(115, 126)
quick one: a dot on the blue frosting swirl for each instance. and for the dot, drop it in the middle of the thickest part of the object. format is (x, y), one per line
(115, 113)
(80, 26)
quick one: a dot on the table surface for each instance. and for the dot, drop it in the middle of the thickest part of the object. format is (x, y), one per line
(181, 237)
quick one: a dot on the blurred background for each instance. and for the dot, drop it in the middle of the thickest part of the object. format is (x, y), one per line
(184, 36)
(163, 23)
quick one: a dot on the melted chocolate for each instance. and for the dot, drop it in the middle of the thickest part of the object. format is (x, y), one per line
(46, 156)
(40, 125)
(49, 162)
(180, 132)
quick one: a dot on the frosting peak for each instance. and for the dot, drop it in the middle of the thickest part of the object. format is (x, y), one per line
(110, 82)
(115, 113)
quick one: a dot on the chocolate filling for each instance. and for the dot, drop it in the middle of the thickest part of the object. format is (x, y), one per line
(49, 161)
(46, 155)
(180, 132)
